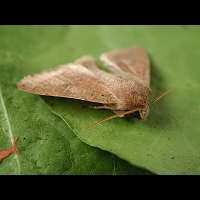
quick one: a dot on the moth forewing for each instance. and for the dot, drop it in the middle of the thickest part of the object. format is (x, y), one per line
(69, 81)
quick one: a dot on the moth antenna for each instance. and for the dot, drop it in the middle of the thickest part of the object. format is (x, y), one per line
(103, 120)
(156, 99)
(113, 117)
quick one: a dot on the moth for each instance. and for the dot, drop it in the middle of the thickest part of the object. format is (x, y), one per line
(123, 88)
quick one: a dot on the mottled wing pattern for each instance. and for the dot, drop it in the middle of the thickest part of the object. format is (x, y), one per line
(129, 63)
(69, 81)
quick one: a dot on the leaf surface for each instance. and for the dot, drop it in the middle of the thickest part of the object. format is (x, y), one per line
(46, 144)
(168, 142)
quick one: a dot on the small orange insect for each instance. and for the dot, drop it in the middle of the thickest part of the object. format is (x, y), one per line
(7, 152)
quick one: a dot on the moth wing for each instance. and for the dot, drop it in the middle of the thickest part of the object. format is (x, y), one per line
(69, 81)
(88, 62)
(130, 63)
(123, 88)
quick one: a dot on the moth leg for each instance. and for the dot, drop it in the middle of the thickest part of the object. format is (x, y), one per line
(100, 107)
(119, 113)
(124, 113)
(103, 120)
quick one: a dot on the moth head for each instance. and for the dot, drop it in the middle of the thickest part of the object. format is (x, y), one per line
(144, 112)
(142, 102)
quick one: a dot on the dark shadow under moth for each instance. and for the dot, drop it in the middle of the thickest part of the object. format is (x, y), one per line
(124, 89)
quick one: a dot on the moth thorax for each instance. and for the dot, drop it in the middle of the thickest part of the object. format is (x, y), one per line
(140, 101)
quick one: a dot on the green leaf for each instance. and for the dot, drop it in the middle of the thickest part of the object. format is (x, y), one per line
(46, 144)
(168, 142)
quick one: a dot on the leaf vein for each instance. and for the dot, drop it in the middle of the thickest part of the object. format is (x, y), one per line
(8, 126)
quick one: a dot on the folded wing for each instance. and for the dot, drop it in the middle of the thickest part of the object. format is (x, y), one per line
(69, 81)
(129, 63)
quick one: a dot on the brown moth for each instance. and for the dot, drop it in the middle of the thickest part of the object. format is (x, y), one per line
(124, 89)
